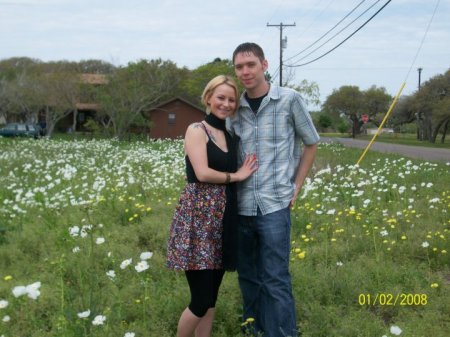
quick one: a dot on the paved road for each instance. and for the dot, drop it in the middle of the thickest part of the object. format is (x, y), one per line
(419, 152)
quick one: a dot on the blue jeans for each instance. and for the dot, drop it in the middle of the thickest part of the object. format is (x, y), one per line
(263, 272)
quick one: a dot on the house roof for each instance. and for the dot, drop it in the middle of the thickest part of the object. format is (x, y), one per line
(87, 106)
(94, 78)
(159, 106)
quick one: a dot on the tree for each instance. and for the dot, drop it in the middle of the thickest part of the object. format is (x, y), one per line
(404, 111)
(346, 101)
(429, 108)
(10, 68)
(309, 91)
(376, 103)
(95, 67)
(434, 102)
(58, 92)
(22, 100)
(195, 82)
(323, 121)
(133, 90)
(30, 86)
(4, 101)
(17, 99)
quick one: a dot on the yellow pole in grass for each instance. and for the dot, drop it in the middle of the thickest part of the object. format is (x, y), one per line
(382, 123)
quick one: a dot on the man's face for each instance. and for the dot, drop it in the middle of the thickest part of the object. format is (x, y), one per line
(250, 70)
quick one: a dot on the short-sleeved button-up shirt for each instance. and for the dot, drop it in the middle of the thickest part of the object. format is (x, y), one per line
(275, 134)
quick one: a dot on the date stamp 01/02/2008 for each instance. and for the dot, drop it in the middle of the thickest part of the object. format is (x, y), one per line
(391, 299)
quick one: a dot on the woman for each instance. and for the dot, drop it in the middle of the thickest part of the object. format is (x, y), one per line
(202, 233)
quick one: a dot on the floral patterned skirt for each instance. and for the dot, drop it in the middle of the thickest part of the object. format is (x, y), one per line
(195, 240)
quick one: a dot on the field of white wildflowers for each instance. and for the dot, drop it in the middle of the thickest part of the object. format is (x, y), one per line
(83, 228)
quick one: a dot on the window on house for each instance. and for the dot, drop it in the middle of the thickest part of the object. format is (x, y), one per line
(171, 117)
(81, 117)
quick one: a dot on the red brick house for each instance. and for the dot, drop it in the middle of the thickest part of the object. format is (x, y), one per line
(171, 118)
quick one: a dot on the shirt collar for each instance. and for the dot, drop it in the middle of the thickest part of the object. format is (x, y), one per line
(274, 93)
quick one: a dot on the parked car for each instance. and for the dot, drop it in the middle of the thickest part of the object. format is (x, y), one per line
(20, 130)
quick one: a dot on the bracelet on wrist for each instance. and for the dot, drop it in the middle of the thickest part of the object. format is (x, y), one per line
(228, 179)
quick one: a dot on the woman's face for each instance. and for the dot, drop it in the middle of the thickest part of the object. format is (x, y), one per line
(223, 101)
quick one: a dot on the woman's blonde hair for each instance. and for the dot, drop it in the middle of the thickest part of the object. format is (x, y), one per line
(213, 84)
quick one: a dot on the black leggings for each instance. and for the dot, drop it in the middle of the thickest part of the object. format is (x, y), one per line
(204, 286)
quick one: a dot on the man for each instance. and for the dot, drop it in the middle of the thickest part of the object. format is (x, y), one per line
(271, 122)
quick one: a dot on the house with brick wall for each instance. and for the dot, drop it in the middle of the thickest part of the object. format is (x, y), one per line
(170, 119)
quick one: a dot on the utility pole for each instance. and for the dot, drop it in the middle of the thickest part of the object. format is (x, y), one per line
(283, 44)
(418, 114)
(420, 71)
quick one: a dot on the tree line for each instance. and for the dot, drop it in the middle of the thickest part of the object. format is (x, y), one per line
(425, 112)
(31, 89)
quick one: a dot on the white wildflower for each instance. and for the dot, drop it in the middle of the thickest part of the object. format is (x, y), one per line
(126, 263)
(74, 231)
(323, 171)
(99, 241)
(19, 291)
(111, 274)
(141, 266)
(146, 255)
(99, 320)
(84, 314)
(33, 290)
(395, 330)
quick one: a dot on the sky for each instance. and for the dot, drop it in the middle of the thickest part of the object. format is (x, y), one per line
(386, 52)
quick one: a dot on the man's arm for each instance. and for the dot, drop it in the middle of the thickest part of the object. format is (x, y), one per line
(306, 161)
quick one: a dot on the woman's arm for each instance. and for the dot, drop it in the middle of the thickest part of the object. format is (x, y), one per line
(195, 148)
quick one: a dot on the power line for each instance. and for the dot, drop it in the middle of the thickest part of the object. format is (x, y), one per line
(340, 31)
(315, 18)
(342, 42)
(275, 73)
(320, 38)
(423, 39)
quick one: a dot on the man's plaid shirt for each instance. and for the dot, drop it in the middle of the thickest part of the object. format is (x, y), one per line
(275, 133)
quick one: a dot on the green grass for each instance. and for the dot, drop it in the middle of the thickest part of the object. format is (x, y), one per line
(381, 228)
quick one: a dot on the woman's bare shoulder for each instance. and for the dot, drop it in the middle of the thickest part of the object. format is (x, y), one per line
(196, 125)
(195, 130)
